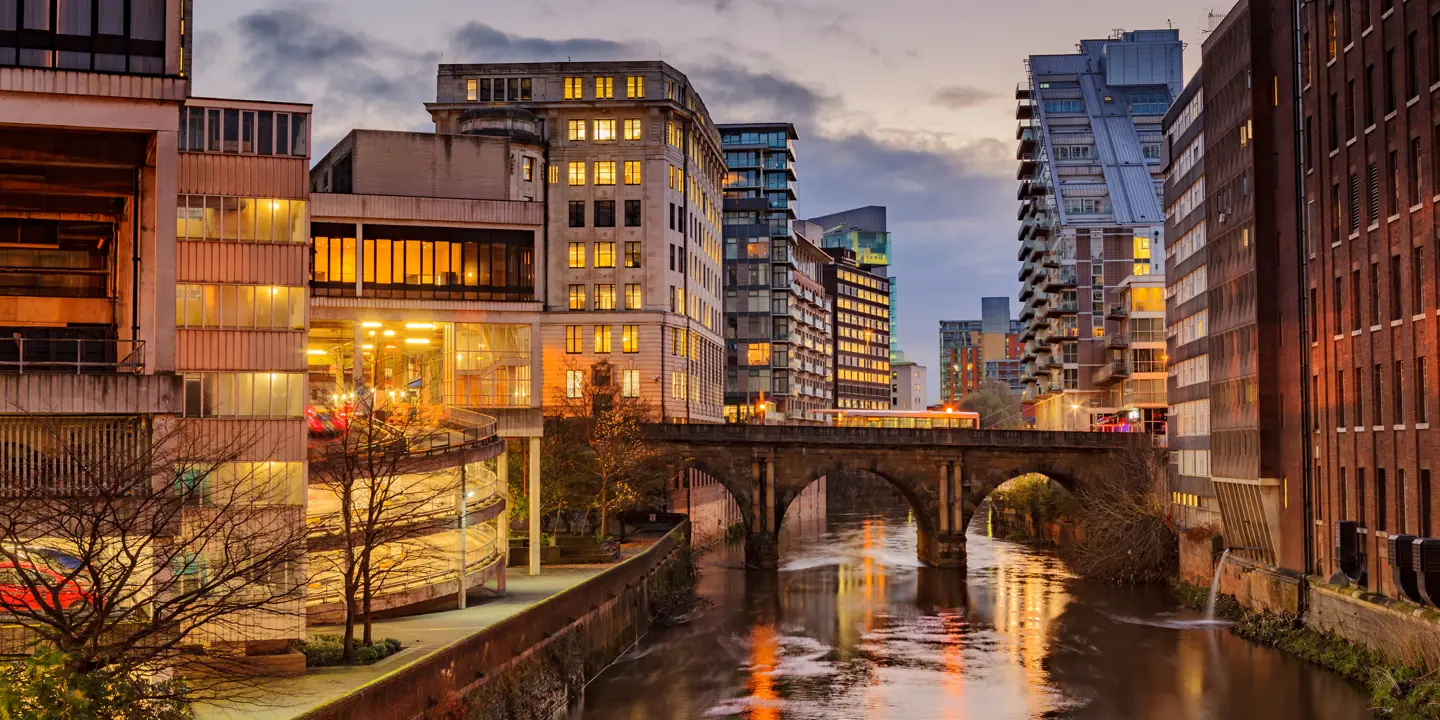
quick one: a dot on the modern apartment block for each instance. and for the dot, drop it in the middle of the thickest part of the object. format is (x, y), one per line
(1186, 301)
(1369, 79)
(778, 319)
(863, 231)
(633, 210)
(1089, 141)
(862, 332)
(973, 351)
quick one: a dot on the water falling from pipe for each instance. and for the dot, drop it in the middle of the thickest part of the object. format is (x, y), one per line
(1215, 586)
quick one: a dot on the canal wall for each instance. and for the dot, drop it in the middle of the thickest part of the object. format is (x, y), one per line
(1403, 633)
(533, 665)
(1256, 586)
(711, 508)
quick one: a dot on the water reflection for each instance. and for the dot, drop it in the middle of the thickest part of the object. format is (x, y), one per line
(853, 627)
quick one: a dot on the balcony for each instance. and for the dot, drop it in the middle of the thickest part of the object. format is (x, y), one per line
(1025, 143)
(1117, 341)
(1027, 169)
(1024, 108)
(1062, 307)
(1111, 373)
(1060, 277)
(1042, 227)
(1026, 270)
(1026, 292)
(1148, 366)
(1118, 311)
(1024, 251)
(71, 356)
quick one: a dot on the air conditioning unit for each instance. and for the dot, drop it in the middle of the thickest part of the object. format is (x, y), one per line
(1349, 551)
(1402, 566)
(1427, 570)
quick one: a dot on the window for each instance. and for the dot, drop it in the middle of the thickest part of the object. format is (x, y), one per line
(1369, 98)
(577, 173)
(605, 296)
(1375, 293)
(1380, 501)
(574, 88)
(574, 341)
(577, 297)
(1354, 203)
(635, 86)
(576, 129)
(1397, 392)
(632, 219)
(1349, 113)
(1376, 393)
(604, 88)
(1389, 70)
(1372, 207)
(258, 307)
(528, 169)
(630, 383)
(242, 219)
(244, 395)
(574, 384)
(604, 130)
(1340, 398)
(630, 338)
(602, 339)
(577, 214)
(604, 172)
(633, 129)
(1417, 280)
(605, 216)
(1424, 503)
(632, 248)
(1412, 65)
(1393, 160)
(1334, 121)
(633, 300)
(632, 172)
(604, 254)
(1396, 311)
(471, 92)
(678, 389)
(1422, 398)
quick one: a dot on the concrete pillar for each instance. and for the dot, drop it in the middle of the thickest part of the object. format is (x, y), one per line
(757, 497)
(534, 482)
(944, 497)
(502, 523)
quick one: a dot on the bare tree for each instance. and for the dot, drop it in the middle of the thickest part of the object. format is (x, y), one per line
(392, 487)
(127, 544)
(998, 407)
(597, 409)
(1128, 536)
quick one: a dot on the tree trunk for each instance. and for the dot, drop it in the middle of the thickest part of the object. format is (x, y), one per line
(369, 621)
(604, 505)
(348, 651)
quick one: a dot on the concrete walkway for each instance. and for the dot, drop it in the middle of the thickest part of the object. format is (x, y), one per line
(420, 635)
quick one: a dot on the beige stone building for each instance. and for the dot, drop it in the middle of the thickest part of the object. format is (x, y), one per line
(629, 269)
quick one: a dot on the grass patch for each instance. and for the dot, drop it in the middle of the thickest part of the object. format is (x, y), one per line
(327, 650)
(1396, 691)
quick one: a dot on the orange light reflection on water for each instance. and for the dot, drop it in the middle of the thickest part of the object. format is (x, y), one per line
(763, 650)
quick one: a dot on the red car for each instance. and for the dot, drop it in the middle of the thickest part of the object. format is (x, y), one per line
(325, 423)
(50, 587)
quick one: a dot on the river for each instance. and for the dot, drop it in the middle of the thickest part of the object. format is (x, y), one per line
(853, 627)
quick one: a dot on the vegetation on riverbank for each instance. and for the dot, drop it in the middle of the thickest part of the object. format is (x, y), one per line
(1397, 691)
(45, 687)
(328, 650)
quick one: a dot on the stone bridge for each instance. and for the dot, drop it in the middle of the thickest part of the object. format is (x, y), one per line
(943, 474)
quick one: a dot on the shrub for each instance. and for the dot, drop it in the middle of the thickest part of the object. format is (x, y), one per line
(327, 650)
(42, 687)
(1128, 537)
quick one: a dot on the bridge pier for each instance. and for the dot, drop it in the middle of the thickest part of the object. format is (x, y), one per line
(762, 551)
(942, 549)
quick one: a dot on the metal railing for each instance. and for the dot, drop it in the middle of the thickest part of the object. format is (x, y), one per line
(71, 356)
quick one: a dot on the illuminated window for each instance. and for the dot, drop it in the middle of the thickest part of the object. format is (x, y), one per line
(574, 88)
(574, 384)
(630, 338)
(574, 343)
(635, 86)
(632, 129)
(577, 297)
(758, 354)
(244, 394)
(577, 255)
(577, 129)
(632, 296)
(604, 130)
(604, 172)
(630, 383)
(554, 173)
(632, 172)
(528, 169)
(678, 384)
(604, 88)
(632, 251)
(604, 254)
(605, 297)
(577, 173)
(471, 91)
(240, 306)
(1142, 248)
(602, 338)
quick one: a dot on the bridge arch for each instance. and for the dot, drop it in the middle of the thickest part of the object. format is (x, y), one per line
(942, 474)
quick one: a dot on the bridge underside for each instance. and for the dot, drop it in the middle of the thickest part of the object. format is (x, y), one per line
(943, 475)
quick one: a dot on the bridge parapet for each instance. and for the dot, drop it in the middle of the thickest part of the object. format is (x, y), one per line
(890, 437)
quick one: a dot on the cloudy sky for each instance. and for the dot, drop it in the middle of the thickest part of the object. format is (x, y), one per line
(902, 103)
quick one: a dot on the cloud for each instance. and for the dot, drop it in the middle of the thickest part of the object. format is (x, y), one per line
(950, 201)
(479, 42)
(959, 97)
